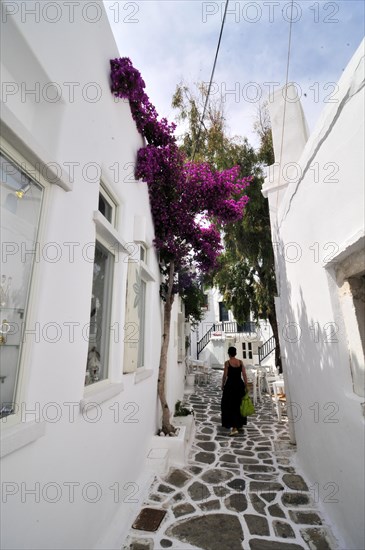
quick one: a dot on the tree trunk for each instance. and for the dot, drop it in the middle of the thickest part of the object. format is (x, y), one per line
(275, 330)
(167, 427)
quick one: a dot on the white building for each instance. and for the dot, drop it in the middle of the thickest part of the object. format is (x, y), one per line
(218, 330)
(80, 309)
(316, 196)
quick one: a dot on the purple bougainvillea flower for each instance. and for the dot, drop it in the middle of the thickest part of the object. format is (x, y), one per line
(188, 200)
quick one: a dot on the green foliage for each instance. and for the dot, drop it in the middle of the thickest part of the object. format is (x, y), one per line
(194, 300)
(207, 142)
(180, 410)
(246, 274)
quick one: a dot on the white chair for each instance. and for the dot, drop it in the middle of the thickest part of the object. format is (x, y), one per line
(260, 380)
(269, 381)
(278, 398)
(202, 373)
(252, 379)
(208, 372)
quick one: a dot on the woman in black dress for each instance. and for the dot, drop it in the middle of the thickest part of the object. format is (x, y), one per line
(234, 384)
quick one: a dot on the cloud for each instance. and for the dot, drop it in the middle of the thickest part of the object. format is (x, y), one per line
(176, 40)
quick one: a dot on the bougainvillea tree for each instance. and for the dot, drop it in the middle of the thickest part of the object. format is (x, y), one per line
(190, 203)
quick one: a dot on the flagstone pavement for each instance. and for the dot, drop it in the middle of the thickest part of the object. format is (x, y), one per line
(235, 492)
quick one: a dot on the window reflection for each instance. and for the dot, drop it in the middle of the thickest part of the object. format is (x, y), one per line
(21, 200)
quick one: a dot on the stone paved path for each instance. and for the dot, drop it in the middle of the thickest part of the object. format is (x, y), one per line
(235, 493)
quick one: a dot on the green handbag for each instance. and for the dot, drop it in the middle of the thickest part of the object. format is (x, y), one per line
(247, 408)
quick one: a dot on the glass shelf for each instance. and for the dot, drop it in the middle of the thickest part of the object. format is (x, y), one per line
(9, 345)
(18, 310)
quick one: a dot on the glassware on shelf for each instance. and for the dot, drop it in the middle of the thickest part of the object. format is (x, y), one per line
(4, 329)
(5, 290)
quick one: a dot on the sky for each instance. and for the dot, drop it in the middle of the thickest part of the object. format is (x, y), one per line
(175, 41)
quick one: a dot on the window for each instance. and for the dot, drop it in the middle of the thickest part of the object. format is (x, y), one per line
(247, 350)
(136, 311)
(21, 201)
(181, 334)
(205, 302)
(101, 297)
(350, 278)
(98, 355)
(357, 287)
(107, 206)
(250, 350)
(143, 253)
(142, 306)
(142, 317)
(223, 312)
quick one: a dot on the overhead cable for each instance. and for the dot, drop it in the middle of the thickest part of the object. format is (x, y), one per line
(210, 81)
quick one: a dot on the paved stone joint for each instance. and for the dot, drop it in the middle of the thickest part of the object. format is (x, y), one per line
(238, 492)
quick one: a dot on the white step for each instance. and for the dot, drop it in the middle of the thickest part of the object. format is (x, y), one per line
(158, 460)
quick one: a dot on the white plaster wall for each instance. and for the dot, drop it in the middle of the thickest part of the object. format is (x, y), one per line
(210, 316)
(328, 419)
(107, 449)
(175, 377)
(214, 353)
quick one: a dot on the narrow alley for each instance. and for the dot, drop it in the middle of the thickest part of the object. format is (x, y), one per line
(240, 492)
(179, 178)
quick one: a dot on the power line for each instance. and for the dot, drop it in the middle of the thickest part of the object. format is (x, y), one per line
(211, 80)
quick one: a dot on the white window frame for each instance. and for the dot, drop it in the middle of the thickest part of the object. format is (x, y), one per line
(109, 237)
(16, 430)
(145, 371)
(341, 269)
(250, 354)
(143, 251)
(181, 333)
(24, 167)
(141, 361)
(105, 343)
(108, 196)
(146, 277)
(102, 237)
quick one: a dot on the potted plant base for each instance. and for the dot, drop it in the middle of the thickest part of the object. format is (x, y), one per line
(175, 445)
(172, 450)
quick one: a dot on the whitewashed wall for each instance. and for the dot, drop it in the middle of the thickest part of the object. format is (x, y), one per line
(175, 378)
(210, 316)
(317, 217)
(99, 455)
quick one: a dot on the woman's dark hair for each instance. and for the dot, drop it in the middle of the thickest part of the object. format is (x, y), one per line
(232, 352)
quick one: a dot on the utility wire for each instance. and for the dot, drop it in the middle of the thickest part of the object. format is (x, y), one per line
(210, 82)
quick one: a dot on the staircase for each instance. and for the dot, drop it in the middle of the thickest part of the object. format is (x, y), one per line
(229, 327)
(266, 348)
